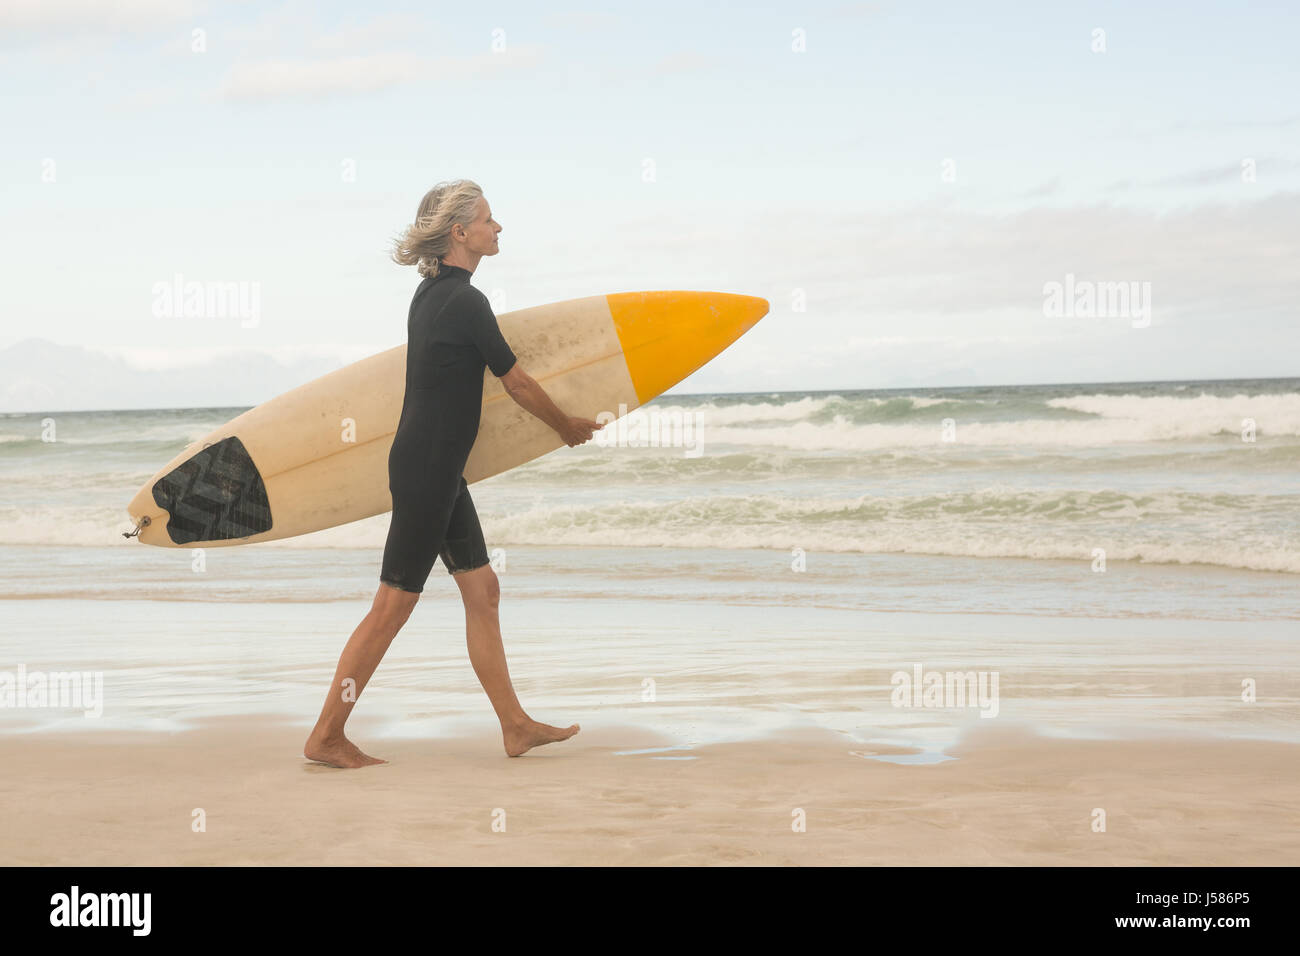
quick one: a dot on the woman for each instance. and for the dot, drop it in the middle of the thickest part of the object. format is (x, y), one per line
(452, 336)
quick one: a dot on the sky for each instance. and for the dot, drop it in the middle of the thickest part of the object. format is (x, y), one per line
(905, 182)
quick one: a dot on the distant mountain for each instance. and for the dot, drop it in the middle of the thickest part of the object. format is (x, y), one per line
(37, 375)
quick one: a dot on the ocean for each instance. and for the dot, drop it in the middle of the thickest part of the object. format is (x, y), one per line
(773, 562)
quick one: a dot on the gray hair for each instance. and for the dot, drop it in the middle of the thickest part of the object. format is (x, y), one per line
(428, 239)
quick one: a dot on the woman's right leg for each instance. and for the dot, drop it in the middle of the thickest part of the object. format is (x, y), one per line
(365, 649)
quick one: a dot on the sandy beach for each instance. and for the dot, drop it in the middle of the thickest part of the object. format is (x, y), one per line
(1008, 798)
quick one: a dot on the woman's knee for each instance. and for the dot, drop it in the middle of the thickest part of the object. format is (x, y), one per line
(393, 605)
(480, 588)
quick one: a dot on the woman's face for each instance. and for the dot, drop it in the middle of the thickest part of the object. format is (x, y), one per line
(481, 234)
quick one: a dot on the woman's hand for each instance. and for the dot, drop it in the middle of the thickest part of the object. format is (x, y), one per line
(578, 430)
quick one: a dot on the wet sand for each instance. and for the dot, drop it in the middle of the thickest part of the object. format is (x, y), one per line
(111, 797)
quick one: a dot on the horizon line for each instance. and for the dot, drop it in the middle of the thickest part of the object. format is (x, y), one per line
(781, 391)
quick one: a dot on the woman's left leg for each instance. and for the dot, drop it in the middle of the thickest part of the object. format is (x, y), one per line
(481, 593)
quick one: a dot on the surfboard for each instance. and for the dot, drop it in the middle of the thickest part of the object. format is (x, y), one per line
(317, 456)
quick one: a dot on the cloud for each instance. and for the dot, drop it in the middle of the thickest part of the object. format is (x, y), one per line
(70, 51)
(1281, 122)
(81, 16)
(587, 21)
(860, 10)
(1049, 188)
(270, 79)
(148, 98)
(308, 78)
(1214, 176)
(387, 30)
(1225, 174)
(685, 61)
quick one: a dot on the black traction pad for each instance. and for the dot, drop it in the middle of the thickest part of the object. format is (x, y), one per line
(214, 496)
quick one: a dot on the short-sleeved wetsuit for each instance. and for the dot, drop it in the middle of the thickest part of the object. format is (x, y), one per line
(451, 336)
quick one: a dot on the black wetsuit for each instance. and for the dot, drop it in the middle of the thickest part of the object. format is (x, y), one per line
(451, 335)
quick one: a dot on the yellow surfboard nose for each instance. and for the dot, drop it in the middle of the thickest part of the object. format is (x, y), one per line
(668, 335)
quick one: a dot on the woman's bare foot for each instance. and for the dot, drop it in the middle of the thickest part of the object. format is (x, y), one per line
(524, 736)
(337, 752)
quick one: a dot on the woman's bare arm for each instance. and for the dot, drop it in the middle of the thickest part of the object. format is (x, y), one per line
(531, 397)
